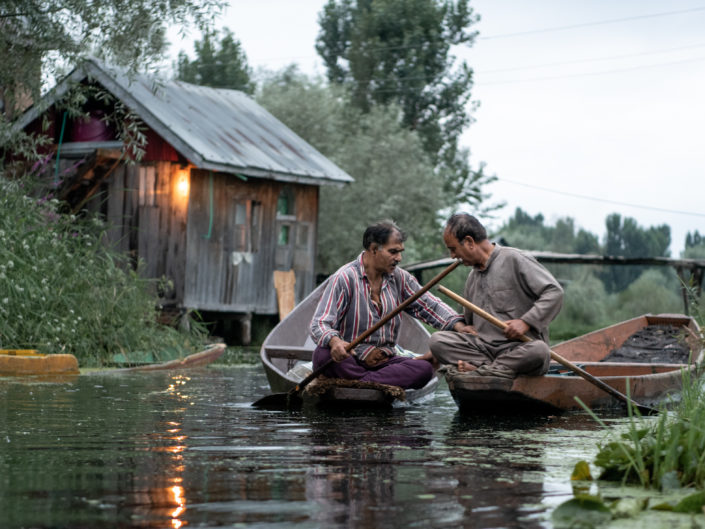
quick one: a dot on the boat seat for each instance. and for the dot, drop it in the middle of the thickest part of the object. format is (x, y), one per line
(291, 352)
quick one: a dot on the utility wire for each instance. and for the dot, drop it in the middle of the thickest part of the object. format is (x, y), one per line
(594, 59)
(603, 200)
(499, 36)
(588, 24)
(588, 74)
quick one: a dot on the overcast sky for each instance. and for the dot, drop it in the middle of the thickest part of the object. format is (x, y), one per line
(587, 108)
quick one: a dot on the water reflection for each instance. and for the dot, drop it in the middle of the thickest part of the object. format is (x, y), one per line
(174, 450)
(360, 464)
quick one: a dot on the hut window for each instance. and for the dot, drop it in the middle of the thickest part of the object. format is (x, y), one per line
(285, 216)
(241, 213)
(246, 226)
(147, 182)
(284, 232)
(285, 203)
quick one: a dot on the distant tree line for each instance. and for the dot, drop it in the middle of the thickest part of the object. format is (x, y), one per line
(598, 295)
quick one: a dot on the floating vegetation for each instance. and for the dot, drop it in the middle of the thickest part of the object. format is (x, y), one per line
(659, 464)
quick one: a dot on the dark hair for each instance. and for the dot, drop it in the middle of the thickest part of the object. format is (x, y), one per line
(380, 233)
(460, 225)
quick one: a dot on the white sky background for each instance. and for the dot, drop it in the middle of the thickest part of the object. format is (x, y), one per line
(595, 118)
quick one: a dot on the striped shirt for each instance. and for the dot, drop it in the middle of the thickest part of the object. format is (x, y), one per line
(346, 309)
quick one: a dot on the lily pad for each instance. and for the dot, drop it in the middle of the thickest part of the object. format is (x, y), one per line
(693, 503)
(584, 512)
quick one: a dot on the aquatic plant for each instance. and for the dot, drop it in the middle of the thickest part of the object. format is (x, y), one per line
(62, 290)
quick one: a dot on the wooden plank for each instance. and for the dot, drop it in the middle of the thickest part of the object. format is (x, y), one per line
(292, 352)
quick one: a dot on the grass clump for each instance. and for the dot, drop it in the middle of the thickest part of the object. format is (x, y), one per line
(665, 453)
(62, 290)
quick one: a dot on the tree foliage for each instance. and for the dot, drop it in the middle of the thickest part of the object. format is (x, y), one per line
(393, 176)
(40, 38)
(625, 237)
(649, 293)
(41, 41)
(694, 246)
(531, 233)
(399, 51)
(218, 64)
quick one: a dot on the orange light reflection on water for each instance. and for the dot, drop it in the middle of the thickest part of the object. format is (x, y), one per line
(179, 499)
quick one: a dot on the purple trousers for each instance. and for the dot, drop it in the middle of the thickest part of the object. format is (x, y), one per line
(404, 372)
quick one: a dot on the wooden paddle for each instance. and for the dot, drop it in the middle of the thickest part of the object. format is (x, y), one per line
(292, 397)
(555, 356)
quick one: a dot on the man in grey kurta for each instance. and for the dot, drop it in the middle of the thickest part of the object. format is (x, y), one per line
(509, 284)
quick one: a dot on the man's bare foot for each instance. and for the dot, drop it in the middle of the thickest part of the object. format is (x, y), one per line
(465, 367)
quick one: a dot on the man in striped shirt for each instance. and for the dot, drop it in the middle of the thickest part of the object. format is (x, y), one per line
(358, 295)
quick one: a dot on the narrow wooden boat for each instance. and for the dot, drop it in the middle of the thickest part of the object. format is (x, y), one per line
(648, 381)
(201, 359)
(19, 363)
(288, 348)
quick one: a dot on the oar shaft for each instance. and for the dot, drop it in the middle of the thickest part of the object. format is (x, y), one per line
(555, 356)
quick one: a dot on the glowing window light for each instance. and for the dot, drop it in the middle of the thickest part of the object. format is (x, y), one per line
(182, 184)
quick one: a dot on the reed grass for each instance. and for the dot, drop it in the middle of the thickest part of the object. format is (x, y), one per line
(62, 290)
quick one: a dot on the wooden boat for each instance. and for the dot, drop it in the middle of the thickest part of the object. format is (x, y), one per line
(28, 362)
(201, 359)
(16, 363)
(646, 382)
(288, 348)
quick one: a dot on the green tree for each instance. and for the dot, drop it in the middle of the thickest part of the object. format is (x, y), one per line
(694, 246)
(43, 37)
(652, 292)
(530, 233)
(398, 51)
(393, 176)
(220, 64)
(40, 41)
(626, 238)
(585, 307)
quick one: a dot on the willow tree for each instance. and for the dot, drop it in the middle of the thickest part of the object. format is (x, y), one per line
(399, 51)
(41, 40)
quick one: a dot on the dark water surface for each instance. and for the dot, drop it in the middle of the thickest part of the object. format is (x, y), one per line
(170, 450)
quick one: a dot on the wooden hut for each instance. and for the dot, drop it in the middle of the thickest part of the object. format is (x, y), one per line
(224, 199)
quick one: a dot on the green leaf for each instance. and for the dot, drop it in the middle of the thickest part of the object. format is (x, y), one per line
(582, 511)
(693, 503)
(581, 472)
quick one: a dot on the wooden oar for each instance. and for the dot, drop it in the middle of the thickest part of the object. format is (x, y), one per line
(555, 356)
(292, 397)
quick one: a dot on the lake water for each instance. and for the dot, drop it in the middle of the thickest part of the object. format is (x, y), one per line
(171, 450)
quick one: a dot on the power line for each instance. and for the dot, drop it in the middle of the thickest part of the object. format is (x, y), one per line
(505, 35)
(603, 200)
(588, 24)
(588, 74)
(594, 59)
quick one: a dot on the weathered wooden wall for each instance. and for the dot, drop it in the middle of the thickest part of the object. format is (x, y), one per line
(233, 246)
(220, 253)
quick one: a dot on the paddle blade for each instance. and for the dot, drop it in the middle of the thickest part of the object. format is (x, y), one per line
(278, 401)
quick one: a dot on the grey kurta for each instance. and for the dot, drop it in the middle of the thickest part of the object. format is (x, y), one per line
(513, 285)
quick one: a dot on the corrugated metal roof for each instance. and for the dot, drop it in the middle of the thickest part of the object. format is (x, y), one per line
(218, 129)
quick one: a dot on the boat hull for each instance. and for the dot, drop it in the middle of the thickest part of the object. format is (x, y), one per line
(45, 365)
(646, 383)
(289, 344)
